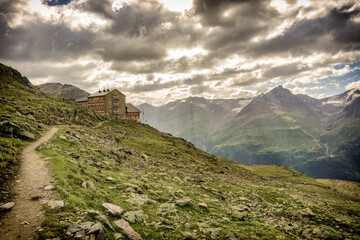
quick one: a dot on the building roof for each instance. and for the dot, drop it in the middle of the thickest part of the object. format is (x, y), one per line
(131, 108)
(103, 93)
(83, 99)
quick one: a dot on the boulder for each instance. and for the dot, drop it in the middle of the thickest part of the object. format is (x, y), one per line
(49, 187)
(183, 202)
(202, 205)
(113, 209)
(94, 228)
(7, 206)
(55, 204)
(127, 229)
(27, 134)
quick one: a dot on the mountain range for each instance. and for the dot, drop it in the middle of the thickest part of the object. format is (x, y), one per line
(319, 137)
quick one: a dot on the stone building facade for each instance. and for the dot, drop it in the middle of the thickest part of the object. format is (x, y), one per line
(111, 104)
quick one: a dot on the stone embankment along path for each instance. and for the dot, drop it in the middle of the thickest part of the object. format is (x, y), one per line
(24, 219)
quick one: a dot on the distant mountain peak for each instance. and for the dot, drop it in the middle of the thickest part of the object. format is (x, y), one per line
(63, 90)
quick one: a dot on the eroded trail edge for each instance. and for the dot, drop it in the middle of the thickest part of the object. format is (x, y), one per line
(25, 217)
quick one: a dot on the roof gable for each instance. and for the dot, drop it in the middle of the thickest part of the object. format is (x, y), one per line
(102, 93)
(131, 108)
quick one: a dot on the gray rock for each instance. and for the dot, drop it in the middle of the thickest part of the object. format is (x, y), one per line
(135, 216)
(118, 236)
(27, 134)
(101, 235)
(127, 229)
(55, 204)
(49, 187)
(202, 205)
(7, 206)
(94, 228)
(84, 185)
(113, 209)
(109, 179)
(79, 234)
(183, 202)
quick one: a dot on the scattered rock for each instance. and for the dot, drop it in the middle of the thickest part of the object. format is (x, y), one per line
(109, 179)
(25, 223)
(49, 187)
(84, 184)
(183, 202)
(27, 134)
(118, 236)
(79, 234)
(7, 206)
(128, 230)
(101, 235)
(135, 216)
(144, 156)
(202, 205)
(55, 204)
(95, 228)
(113, 209)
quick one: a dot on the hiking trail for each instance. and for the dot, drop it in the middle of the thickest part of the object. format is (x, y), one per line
(24, 219)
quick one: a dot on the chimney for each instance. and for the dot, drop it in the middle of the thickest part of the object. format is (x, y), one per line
(104, 90)
(99, 90)
(108, 90)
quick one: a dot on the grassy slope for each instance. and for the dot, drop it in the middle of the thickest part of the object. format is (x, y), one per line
(287, 139)
(152, 170)
(25, 112)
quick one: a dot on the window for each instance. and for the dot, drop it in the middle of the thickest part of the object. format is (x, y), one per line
(116, 104)
(116, 97)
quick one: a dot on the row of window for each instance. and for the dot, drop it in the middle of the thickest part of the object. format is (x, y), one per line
(96, 104)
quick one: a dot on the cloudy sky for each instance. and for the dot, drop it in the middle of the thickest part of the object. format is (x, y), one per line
(157, 51)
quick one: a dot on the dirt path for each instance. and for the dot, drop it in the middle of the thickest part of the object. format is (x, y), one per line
(27, 214)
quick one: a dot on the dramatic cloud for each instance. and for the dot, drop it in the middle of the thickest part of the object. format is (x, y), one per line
(158, 51)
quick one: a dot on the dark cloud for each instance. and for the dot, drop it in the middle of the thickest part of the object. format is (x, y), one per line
(157, 85)
(332, 33)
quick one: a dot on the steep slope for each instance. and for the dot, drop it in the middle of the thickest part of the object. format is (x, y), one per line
(343, 98)
(287, 129)
(25, 113)
(63, 90)
(167, 189)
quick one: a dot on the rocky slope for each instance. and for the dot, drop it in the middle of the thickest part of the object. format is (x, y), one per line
(144, 184)
(63, 90)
